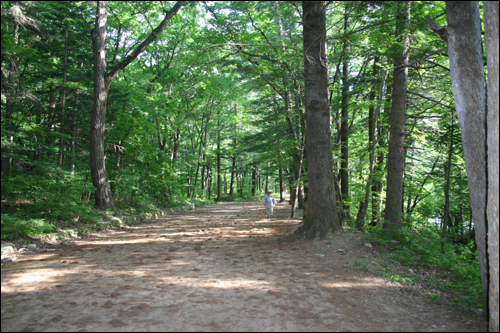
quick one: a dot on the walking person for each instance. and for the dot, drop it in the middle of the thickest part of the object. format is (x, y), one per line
(270, 202)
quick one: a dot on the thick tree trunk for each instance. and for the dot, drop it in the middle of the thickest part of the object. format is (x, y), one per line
(463, 36)
(322, 217)
(396, 156)
(469, 89)
(491, 41)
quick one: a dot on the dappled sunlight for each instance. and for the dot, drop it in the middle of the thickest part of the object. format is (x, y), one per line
(36, 279)
(365, 283)
(193, 282)
(209, 262)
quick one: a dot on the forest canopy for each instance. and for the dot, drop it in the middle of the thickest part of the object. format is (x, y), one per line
(213, 109)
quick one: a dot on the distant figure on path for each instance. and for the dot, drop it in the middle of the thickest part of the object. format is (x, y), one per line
(270, 202)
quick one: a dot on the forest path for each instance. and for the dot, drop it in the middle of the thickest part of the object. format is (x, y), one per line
(218, 268)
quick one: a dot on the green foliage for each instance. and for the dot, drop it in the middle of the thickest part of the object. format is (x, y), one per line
(235, 198)
(17, 227)
(454, 268)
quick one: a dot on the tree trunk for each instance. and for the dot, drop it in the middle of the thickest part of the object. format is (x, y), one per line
(446, 214)
(233, 176)
(209, 179)
(102, 82)
(254, 180)
(103, 198)
(491, 41)
(377, 186)
(282, 199)
(396, 155)
(463, 36)
(63, 103)
(469, 89)
(344, 124)
(51, 122)
(10, 97)
(296, 193)
(74, 135)
(219, 177)
(322, 217)
(363, 205)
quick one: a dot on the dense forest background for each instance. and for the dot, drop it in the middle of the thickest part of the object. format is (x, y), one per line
(213, 110)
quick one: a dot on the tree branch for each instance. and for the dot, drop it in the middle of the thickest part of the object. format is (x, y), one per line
(441, 31)
(141, 47)
(418, 60)
(430, 99)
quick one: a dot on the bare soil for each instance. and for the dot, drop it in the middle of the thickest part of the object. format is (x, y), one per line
(225, 267)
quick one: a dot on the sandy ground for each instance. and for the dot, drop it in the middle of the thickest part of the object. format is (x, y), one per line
(219, 268)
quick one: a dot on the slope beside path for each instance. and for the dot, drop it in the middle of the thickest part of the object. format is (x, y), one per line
(217, 268)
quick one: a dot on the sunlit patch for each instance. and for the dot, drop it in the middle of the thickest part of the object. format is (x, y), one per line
(33, 281)
(366, 283)
(219, 283)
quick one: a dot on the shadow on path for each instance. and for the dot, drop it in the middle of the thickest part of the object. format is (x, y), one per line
(224, 267)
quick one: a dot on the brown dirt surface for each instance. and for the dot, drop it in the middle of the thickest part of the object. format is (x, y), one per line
(224, 267)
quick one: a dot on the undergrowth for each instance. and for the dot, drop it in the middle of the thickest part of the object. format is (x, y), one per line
(36, 204)
(423, 256)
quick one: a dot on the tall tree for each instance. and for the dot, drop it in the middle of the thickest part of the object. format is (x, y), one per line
(463, 36)
(322, 217)
(396, 156)
(102, 82)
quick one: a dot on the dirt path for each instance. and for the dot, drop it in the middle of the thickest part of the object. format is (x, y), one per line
(219, 268)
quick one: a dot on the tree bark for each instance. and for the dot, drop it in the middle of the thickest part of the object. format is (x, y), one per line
(396, 155)
(491, 41)
(469, 89)
(322, 217)
(103, 198)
